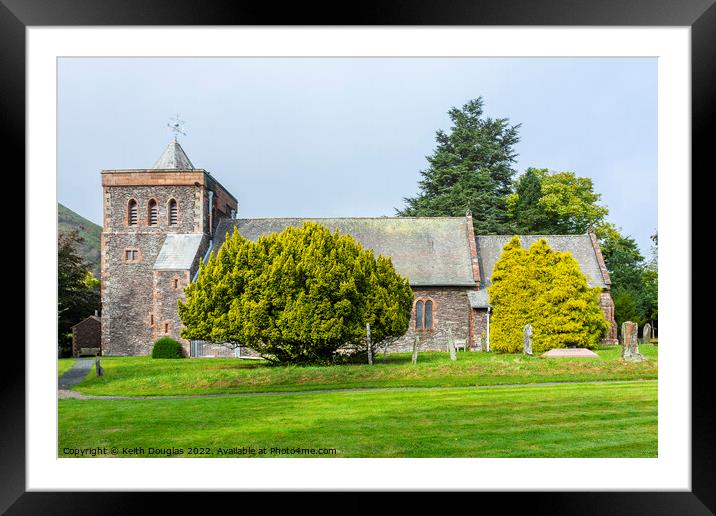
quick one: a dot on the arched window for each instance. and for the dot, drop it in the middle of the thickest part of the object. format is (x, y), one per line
(173, 213)
(153, 213)
(419, 315)
(132, 212)
(424, 314)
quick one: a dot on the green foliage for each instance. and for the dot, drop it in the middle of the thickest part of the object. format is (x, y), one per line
(166, 347)
(546, 289)
(635, 282)
(554, 203)
(77, 297)
(296, 296)
(471, 168)
(89, 247)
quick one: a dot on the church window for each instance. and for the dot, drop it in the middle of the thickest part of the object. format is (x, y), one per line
(151, 319)
(153, 213)
(166, 327)
(131, 255)
(173, 213)
(132, 212)
(176, 283)
(424, 314)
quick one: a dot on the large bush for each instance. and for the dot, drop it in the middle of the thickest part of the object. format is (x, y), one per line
(296, 296)
(545, 288)
(166, 347)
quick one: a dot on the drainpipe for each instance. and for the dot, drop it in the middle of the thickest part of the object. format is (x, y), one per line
(488, 327)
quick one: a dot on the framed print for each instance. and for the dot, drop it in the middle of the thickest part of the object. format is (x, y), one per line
(93, 79)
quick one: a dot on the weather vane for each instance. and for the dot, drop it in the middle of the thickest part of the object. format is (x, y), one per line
(177, 126)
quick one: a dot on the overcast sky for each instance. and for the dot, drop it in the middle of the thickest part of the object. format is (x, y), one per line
(330, 137)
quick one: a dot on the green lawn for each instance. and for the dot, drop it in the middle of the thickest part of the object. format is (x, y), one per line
(142, 376)
(64, 364)
(568, 420)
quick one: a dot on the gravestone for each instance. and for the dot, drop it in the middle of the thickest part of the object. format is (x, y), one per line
(415, 350)
(630, 351)
(646, 333)
(451, 346)
(527, 339)
(570, 353)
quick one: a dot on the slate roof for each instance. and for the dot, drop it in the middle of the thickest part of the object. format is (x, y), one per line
(489, 249)
(173, 158)
(178, 251)
(427, 250)
(478, 298)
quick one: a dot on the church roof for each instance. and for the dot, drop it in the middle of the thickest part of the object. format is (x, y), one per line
(178, 251)
(427, 250)
(489, 249)
(173, 158)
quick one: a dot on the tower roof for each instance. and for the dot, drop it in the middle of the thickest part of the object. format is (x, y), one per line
(173, 157)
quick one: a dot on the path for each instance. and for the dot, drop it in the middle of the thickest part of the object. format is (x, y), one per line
(79, 396)
(74, 375)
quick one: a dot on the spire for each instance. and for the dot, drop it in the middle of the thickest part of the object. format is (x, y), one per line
(174, 157)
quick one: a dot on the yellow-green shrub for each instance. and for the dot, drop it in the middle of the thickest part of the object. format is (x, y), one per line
(545, 288)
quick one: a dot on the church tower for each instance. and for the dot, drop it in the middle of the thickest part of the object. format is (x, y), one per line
(158, 224)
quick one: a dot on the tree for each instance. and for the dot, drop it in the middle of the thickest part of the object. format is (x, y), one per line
(77, 289)
(552, 203)
(649, 300)
(546, 289)
(471, 168)
(296, 296)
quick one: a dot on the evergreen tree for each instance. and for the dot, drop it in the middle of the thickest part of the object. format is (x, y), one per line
(296, 296)
(471, 168)
(546, 289)
(77, 289)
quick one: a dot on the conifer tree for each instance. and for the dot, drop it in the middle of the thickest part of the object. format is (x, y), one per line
(296, 296)
(471, 168)
(546, 289)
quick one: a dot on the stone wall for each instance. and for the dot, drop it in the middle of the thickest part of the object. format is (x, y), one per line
(129, 324)
(607, 304)
(451, 308)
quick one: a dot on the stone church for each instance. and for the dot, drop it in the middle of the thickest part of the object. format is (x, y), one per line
(160, 223)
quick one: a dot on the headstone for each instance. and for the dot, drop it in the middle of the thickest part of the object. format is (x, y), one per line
(527, 339)
(98, 368)
(630, 351)
(646, 333)
(451, 346)
(370, 344)
(570, 353)
(415, 350)
(385, 349)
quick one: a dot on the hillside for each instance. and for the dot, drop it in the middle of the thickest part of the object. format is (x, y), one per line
(68, 220)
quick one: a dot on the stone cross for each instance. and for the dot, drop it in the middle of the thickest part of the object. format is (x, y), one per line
(370, 344)
(415, 349)
(98, 368)
(451, 346)
(647, 333)
(630, 351)
(527, 339)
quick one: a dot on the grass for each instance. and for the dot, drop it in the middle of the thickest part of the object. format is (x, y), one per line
(64, 364)
(143, 376)
(569, 420)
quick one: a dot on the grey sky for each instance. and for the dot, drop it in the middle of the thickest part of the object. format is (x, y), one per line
(347, 137)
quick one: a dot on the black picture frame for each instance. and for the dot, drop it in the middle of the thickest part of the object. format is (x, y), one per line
(700, 15)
